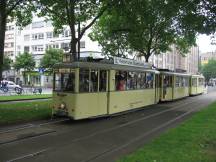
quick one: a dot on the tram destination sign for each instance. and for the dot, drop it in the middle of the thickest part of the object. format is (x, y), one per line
(129, 62)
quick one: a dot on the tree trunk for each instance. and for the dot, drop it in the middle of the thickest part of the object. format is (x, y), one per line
(73, 42)
(147, 57)
(3, 17)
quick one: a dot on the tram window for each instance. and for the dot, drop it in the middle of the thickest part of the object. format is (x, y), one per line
(120, 80)
(201, 81)
(68, 81)
(84, 80)
(141, 81)
(103, 80)
(93, 84)
(57, 85)
(149, 80)
(186, 81)
(167, 82)
(194, 82)
(177, 82)
(131, 81)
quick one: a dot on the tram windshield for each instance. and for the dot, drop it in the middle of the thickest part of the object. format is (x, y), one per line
(65, 81)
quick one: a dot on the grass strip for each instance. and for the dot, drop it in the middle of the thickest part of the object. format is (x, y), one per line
(20, 97)
(24, 111)
(192, 141)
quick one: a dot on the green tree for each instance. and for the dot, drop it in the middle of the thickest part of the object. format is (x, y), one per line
(19, 10)
(7, 63)
(51, 57)
(26, 62)
(152, 26)
(78, 15)
(112, 40)
(209, 70)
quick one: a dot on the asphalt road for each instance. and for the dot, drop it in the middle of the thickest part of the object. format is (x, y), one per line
(97, 140)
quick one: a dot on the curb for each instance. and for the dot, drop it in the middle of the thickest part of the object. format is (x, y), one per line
(27, 99)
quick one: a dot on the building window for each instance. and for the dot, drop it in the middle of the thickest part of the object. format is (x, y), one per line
(37, 48)
(26, 49)
(9, 45)
(9, 36)
(48, 46)
(82, 44)
(9, 53)
(66, 33)
(26, 37)
(65, 46)
(49, 34)
(38, 24)
(10, 27)
(37, 36)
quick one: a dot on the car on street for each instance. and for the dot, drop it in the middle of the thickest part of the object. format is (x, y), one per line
(12, 86)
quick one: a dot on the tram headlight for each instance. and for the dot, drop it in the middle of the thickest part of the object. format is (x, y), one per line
(62, 106)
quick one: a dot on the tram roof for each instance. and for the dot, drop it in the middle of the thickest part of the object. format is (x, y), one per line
(198, 76)
(174, 73)
(105, 66)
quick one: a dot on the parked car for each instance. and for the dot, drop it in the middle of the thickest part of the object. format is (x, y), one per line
(11, 86)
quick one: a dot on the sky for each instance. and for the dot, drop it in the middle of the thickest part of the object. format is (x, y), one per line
(204, 43)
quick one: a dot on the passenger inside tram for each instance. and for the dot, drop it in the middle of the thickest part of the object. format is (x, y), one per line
(121, 81)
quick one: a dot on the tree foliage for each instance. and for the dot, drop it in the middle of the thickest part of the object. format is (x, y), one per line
(51, 57)
(209, 70)
(112, 40)
(72, 13)
(150, 27)
(7, 62)
(24, 61)
(19, 10)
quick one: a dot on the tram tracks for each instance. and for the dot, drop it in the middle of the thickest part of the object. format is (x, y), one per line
(32, 125)
(143, 117)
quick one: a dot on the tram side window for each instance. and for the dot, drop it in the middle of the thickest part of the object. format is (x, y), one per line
(120, 80)
(84, 80)
(194, 82)
(57, 85)
(132, 80)
(186, 81)
(177, 81)
(141, 80)
(201, 81)
(93, 84)
(149, 80)
(167, 81)
(103, 80)
(68, 81)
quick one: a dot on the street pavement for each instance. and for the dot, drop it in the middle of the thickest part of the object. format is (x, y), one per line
(97, 140)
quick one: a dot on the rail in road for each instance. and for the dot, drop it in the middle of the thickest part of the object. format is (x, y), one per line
(103, 139)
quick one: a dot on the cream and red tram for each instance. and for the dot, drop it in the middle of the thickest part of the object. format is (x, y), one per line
(91, 89)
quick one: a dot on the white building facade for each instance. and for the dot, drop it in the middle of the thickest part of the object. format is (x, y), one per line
(35, 39)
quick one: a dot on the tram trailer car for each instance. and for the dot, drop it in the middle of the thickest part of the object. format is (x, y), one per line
(174, 86)
(88, 89)
(197, 84)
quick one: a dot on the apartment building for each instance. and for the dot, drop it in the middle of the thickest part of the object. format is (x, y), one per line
(174, 61)
(205, 57)
(35, 39)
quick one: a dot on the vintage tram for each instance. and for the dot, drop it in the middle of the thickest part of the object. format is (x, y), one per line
(91, 89)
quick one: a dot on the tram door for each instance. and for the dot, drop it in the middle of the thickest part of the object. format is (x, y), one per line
(157, 88)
